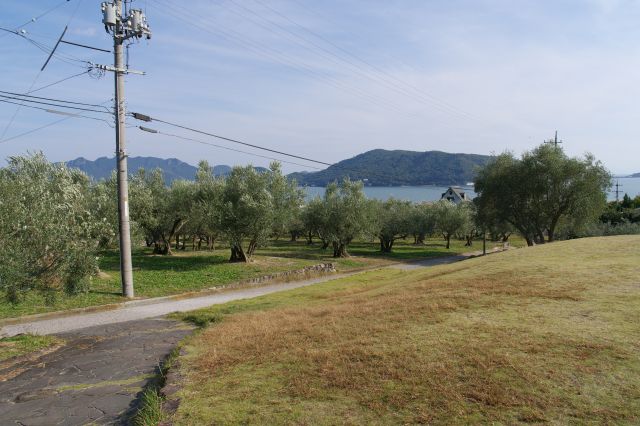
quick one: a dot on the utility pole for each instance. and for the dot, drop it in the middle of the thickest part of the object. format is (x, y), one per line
(554, 141)
(618, 191)
(123, 26)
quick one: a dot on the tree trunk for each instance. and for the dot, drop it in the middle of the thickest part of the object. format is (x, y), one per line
(386, 245)
(193, 243)
(310, 238)
(237, 254)
(469, 242)
(177, 241)
(340, 250)
(448, 238)
(294, 237)
(325, 244)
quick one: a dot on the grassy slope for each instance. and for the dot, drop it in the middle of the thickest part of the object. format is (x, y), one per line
(190, 271)
(549, 333)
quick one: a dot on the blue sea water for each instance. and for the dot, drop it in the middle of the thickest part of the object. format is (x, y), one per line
(630, 186)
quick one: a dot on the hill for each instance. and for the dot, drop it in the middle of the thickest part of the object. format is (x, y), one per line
(394, 168)
(173, 168)
(636, 175)
(491, 340)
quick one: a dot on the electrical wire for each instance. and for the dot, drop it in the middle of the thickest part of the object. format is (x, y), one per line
(54, 100)
(275, 55)
(51, 123)
(421, 93)
(34, 19)
(229, 149)
(54, 104)
(202, 132)
(59, 81)
(354, 66)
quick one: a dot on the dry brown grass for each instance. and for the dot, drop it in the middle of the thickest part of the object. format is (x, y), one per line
(548, 334)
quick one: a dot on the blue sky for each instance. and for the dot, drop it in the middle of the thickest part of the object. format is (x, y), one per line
(331, 79)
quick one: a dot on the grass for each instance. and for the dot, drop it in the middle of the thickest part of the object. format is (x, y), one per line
(24, 344)
(187, 271)
(548, 334)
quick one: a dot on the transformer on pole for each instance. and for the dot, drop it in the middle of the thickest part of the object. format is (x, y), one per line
(123, 26)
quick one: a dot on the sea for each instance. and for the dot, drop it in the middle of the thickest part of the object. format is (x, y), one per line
(629, 186)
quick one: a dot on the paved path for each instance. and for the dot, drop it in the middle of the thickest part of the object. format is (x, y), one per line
(108, 358)
(96, 378)
(153, 308)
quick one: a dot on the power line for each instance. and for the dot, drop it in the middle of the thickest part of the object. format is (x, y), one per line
(53, 99)
(56, 105)
(279, 57)
(34, 19)
(390, 82)
(28, 132)
(147, 118)
(224, 147)
(59, 81)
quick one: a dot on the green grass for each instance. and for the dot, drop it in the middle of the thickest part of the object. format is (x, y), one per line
(187, 271)
(24, 344)
(548, 334)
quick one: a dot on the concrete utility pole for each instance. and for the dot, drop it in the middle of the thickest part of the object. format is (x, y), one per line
(123, 26)
(554, 141)
(618, 191)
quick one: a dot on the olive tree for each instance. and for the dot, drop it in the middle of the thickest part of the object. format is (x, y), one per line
(205, 214)
(422, 221)
(452, 219)
(314, 220)
(392, 222)
(159, 210)
(47, 232)
(349, 215)
(287, 199)
(246, 211)
(541, 189)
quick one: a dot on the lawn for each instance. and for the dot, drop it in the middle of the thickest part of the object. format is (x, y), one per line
(544, 334)
(187, 271)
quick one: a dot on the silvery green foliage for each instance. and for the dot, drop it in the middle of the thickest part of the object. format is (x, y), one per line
(247, 211)
(47, 231)
(349, 215)
(452, 219)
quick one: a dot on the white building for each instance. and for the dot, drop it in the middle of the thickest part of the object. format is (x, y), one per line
(455, 194)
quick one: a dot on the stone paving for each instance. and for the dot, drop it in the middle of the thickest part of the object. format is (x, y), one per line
(95, 378)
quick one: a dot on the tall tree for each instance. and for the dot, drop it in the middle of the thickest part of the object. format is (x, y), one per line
(393, 222)
(452, 219)
(247, 214)
(422, 221)
(349, 215)
(536, 192)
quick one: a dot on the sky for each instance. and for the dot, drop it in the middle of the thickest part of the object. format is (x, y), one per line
(332, 79)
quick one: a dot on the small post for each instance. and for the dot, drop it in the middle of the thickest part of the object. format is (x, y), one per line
(484, 243)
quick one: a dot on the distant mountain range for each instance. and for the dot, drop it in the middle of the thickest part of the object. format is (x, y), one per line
(636, 174)
(376, 168)
(396, 168)
(173, 168)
